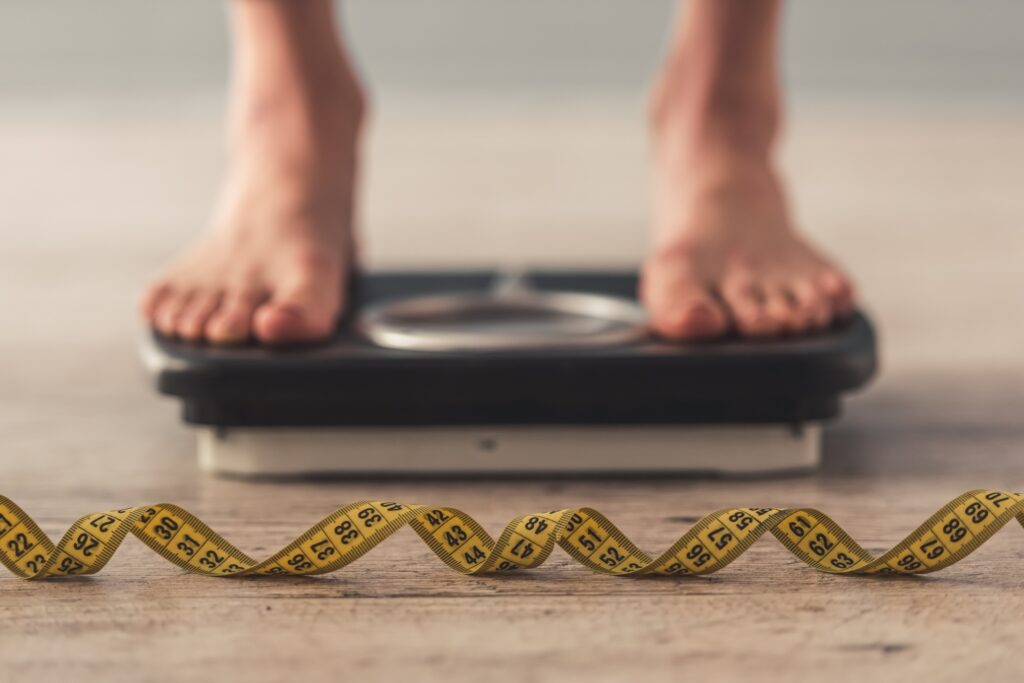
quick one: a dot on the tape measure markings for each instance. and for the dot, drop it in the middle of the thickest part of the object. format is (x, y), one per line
(586, 535)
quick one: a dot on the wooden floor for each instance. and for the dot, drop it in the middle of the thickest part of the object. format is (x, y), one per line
(926, 210)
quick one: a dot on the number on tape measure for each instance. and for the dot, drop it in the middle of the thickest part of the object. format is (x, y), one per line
(586, 535)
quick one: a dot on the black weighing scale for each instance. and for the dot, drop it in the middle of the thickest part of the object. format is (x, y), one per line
(479, 372)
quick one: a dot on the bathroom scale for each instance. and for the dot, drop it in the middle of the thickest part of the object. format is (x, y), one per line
(484, 372)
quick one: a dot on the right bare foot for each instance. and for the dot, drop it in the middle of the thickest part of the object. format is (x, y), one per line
(274, 264)
(727, 257)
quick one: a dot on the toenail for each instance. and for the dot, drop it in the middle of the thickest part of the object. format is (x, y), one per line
(690, 314)
(677, 321)
(226, 330)
(227, 336)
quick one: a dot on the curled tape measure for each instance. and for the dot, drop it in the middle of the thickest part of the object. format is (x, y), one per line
(585, 534)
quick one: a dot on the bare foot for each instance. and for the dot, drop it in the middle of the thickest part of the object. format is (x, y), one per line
(274, 263)
(726, 257)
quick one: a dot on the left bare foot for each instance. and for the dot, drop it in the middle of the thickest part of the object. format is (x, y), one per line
(726, 255)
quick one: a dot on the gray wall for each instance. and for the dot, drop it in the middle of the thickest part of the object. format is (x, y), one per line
(906, 49)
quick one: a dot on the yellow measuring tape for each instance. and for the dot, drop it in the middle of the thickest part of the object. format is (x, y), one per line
(585, 534)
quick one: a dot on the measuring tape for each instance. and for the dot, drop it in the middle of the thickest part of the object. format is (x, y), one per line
(585, 534)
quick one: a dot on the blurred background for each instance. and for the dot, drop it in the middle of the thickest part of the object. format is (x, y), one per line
(514, 133)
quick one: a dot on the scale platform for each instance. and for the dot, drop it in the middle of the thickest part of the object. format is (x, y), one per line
(473, 373)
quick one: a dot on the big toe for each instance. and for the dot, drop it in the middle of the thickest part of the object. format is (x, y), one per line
(694, 317)
(681, 307)
(293, 321)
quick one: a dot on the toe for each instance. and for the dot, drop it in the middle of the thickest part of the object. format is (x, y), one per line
(151, 299)
(811, 307)
(838, 290)
(695, 316)
(778, 306)
(193, 318)
(231, 323)
(282, 322)
(680, 306)
(166, 316)
(750, 314)
(304, 313)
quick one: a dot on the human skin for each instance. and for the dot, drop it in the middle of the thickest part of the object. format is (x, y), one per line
(725, 256)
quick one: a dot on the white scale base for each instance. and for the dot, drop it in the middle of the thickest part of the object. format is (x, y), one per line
(705, 449)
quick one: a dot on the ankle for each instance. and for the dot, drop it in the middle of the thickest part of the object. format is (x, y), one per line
(692, 110)
(331, 101)
(299, 127)
(710, 178)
